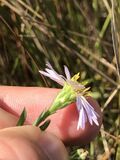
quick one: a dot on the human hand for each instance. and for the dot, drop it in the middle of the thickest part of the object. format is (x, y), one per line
(63, 123)
(29, 143)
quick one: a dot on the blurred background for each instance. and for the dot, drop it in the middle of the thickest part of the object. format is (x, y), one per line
(82, 34)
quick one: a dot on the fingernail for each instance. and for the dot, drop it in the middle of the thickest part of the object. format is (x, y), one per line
(52, 147)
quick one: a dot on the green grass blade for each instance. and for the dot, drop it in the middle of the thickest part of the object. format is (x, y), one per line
(22, 118)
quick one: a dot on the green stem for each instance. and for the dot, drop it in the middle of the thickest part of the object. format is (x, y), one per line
(41, 118)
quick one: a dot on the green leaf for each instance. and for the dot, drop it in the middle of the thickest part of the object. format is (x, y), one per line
(22, 118)
(44, 126)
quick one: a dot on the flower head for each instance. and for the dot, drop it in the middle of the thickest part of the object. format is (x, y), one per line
(72, 91)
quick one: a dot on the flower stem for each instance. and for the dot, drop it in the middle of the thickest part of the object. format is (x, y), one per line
(41, 118)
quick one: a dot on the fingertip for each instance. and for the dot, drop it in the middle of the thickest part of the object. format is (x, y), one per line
(64, 125)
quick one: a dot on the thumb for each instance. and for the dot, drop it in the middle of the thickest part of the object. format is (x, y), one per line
(28, 142)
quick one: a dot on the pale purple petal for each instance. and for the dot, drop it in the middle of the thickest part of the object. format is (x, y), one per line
(82, 119)
(89, 106)
(88, 112)
(91, 114)
(52, 74)
(82, 114)
(67, 73)
(95, 121)
(78, 103)
(51, 69)
(45, 74)
(49, 65)
(59, 81)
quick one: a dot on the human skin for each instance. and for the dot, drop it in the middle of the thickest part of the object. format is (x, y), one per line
(35, 99)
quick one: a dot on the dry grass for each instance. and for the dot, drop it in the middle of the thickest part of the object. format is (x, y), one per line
(84, 35)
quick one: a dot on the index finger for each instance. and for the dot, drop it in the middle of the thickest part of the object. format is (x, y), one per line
(35, 100)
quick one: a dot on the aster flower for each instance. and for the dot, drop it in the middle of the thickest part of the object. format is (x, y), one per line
(72, 91)
(60, 79)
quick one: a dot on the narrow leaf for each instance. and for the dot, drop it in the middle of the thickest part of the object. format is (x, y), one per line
(44, 126)
(22, 118)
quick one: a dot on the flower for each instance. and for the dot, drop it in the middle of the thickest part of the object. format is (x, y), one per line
(86, 111)
(72, 91)
(52, 74)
